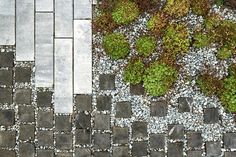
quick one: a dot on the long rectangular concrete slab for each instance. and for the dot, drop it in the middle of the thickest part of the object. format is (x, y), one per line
(82, 9)
(63, 76)
(44, 50)
(82, 57)
(7, 22)
(24, 30)
(44, 5)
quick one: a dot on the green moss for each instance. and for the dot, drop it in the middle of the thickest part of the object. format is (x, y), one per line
(159, 78)
(201, 40)
(200, 7)
(177, 8)
(116, 45)
(125, 12)
(133, 72)
(145, 45)
(219, 2)
(224, 53)
(157, 23)
(232, 70)
(176, 39)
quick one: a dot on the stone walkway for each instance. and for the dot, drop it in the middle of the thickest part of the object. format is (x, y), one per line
(51, 106)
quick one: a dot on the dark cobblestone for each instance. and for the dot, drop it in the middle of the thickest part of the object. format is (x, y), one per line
(45, 119)
(82, 121)
(211, 115)
(139, 129)
(102, 121)
(102, 141)
(63, 123)
(6, 77)
(64, 141)
(157, 141)
(6, 59)
(7, 153)
(175, 149)
(230, 154)
(184, 104)
(45, 153)
(23, 96)
(120, 151)
(83, 136)
(137, 89)
(120, 135)
(123, 109)
(139, 148)
(7, 117)
(194, 139)
(7, 139)
(194, 153)
(45, 138)
(63, 154)
(27, 132)
(158, 108)
(230, 140)
(213, 148)
(157, 154)
(176, 132)
(82, 152)
(103, 102)
(5, 95)
(22, 74)
(83, 102)
(101, 154)
(26, 114)
(26, 150)
(44, 99)
(107, 82)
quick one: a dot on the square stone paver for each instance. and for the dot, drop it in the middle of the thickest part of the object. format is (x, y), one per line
(22, 74)
(82, 120)
(83, 102)
(45, 138)
(123, 109)
(7, 153)
(137, 89)
(139, 148)
(157, 154)
(7, 139)
(230, 140)
(103, 102)
(45, 119)
(194, 153)
(194, 139)
(102, 121)
(139, 129)
(184, 104)
(102, 141)
(45, 153)
(120, 151)
(26, 150)
(157, 141)
(120, 135)
(175, 149)
(5, 95)
(23, 96)
(26, 114)
(176, 132)
(6, 77)
(6, 59)
(158, 108)
(83, 136)
(7, 117)
(211, 115)
(82, 152)
(44, 99)
(101, 154)
(230, 154)
(64, 154)
(63, 123)
(64, 141)
(107, 82)
(213, 148)
(27, 132)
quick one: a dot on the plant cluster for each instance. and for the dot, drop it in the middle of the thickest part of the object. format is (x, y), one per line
(177, 8)
(200, 7)
(201, 40)
(145, 45)
(147, 5)
(104, 23)
(157, 23)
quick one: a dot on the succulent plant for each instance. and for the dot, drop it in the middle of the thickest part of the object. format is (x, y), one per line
(177, 8)
(145, 45)
(201, 40)
(104, 23)
(201, 7)
(157, 23)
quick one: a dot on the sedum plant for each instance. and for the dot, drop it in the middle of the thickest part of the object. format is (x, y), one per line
(116, 45)
(224, 53)
(145, 45)
(133, 72)
(177, 8)
(201, 40)
(157, 23)
(158, 78)
(104, 23)
(125, 12)
(200, 7)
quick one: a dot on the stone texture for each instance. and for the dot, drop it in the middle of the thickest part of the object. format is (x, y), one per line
(107, 82)
(102, 121)
(211, 115)
(22, 74)
(139, 129)
(176, 132)
(102, 141)
(44, 5)
(83, 102)
(82, 152)
(120, 151)
(64, 154)
(44, 47)
(103, 102)
(175, 149)
(45, 119)
(23, 96)
(7, 117)
(82, 9)
(6, 59)
(120, 135)
(64, 141)
(157, 141)
(230, 154)
(45, 138)
(63, 123)
(44, 99)
(230, 140)
(123, 109)
(45, 153)
(194, 153)
(139, 148)
(184, 104)
(194, 139)
(82, 121)
(26, 150)
(137, 89)
(157, 154)
(63, 99)
(25, 30)
(8, 139)
(27, 132)
(158, 108)
(26, 114)
(230, 3)
(83, 136)
(6, 77)
(5, 95)
(7, 28)
(7, 153)
(101, 154)
(82, 54)
(213, 148)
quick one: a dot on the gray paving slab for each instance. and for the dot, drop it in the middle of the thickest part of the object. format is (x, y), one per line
(7, 28)
(24, 30)
(63, 18)
(82, 57)
(44, 5)
(82, 9)
(44, 50)
(63, 76)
